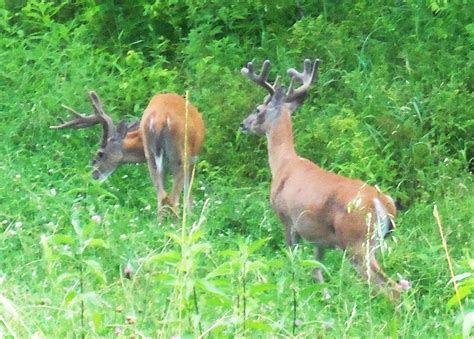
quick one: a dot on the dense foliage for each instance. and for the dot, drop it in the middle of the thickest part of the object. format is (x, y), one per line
(392, 105)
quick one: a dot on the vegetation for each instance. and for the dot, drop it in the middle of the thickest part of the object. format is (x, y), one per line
(393, 106)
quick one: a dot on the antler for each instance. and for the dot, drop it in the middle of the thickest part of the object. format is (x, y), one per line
(307, 78)
(83, 121)
(260, 79)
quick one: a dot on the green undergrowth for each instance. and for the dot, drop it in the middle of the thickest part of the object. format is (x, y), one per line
(392, 106)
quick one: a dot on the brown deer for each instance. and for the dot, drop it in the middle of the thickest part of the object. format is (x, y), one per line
(171, 132)
(321, 207)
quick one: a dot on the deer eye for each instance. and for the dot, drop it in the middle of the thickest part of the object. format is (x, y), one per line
(100, 154)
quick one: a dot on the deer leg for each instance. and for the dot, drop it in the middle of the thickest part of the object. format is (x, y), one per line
(178, 179)
(317, 273)
(369, 269)
(156, 169)
(291, 236)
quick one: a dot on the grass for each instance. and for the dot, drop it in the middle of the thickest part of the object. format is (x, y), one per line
(53, 284)
(82, 258)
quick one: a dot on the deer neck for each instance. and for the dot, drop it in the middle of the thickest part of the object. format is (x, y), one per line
(132, 148)
(281, 148)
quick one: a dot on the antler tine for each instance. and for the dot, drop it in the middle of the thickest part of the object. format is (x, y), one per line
(260, 79)
(108, 127)
(82, 121)
(307, 77)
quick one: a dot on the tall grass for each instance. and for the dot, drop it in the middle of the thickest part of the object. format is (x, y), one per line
(392, 106)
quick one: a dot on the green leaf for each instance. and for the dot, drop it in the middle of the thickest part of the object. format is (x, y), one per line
(223, 269)
(257, 245)
(96, 269)
(174, 237)
(463, 292)
(199, 248)
(91, 299)
(76, 224)
(258, 325)
(70, 295)
(94, 242)
(459, 277)
(164, 257)
(263, 287)
(209, 286)
(195, 236)
(61, 239)
(313, 264)
(97, 321)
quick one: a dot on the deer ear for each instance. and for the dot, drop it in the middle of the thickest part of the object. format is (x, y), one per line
(134, 126)
(122, 129)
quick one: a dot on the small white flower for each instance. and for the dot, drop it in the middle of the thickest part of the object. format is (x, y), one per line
(147, 208)
(50, 171)
(96, 218)
(18, 225)
(5, 222)
(18, 176)
(116, 206)
(118, 331)
(53, 192)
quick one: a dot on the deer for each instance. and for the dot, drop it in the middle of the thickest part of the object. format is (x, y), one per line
(169, 134)
(324, 208)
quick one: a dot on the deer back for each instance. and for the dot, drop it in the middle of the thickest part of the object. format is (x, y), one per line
(164, 120)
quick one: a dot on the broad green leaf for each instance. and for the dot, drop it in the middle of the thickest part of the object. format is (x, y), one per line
(258, 325)
(61, 239)
(459, 277)
(313, 264)
(164, 257)
(210, 287)
(257, 245)
(463, 292)
(96, 269)
(223, 269)
(97, 321)
(94, 242)
(69, 297)
(263, 287)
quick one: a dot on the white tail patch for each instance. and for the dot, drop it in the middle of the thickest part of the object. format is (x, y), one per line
(152, 126)
(383, 219)
(159, 161)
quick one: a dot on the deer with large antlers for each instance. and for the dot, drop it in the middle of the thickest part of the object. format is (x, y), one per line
(321, 207)
(170, 133)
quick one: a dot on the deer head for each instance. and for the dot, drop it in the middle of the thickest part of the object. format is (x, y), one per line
(111, 150)
(277, 100)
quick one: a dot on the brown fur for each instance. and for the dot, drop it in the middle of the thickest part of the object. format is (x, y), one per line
(162, 130)
(321, 207)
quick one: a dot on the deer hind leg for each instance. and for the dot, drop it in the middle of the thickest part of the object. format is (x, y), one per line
(368, 267)
(291, 236)
(154, 153)
(317, 273)
(179, 177)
